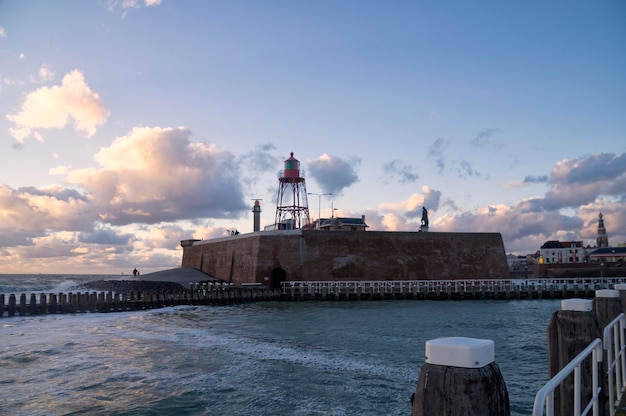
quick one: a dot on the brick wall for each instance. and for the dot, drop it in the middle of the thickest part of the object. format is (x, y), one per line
(344, 255)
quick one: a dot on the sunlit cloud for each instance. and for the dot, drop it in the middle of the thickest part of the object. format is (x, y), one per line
(45, 74)
(53, 107)
(157, 174)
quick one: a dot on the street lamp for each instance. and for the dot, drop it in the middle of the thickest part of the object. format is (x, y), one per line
(319, 206)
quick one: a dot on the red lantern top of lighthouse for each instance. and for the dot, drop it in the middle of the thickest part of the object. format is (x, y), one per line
(292, 168)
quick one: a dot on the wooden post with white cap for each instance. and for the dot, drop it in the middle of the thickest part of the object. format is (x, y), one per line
(621, 287)
(570, 331)
(460, 377)
(607, 305)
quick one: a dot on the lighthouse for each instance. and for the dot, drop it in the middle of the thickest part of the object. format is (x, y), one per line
(256, 212)
(292, 208)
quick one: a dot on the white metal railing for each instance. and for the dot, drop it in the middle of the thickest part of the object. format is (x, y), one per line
(454, 286)
(614, 345)
(544, 400)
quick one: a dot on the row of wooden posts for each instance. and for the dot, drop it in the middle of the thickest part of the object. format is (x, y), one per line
(215, 294)
(80, 302)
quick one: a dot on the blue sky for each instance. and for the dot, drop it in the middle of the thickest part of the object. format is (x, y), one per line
(128, 126)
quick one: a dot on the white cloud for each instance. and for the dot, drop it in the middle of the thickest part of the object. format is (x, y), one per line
(45, 74)
(52, 107)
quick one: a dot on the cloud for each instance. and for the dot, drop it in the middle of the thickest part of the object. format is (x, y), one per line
(579, 185)
(157, 174)
(333, 174)
(255, 163)
(437, 153)
(39, 211)
(45, 74)
(596, 168)
(3, 33)
(465, 169)
(125, 5)
(104, 235)
(488, 138)
(576, 182)
(527, 181)
(136, 3)
(411, 207)
(404, 173)
(53, 107)
(536, 179)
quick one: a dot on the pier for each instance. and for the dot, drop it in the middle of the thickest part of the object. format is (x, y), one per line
(448, 289)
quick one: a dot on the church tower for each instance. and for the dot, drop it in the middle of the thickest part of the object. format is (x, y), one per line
(601, 240)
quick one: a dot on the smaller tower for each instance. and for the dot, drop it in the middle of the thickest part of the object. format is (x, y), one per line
(256, 210)
(601, 240)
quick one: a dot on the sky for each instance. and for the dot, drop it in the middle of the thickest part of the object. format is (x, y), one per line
(128, 126)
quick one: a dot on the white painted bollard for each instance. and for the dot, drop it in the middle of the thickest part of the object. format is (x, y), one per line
(460, 377)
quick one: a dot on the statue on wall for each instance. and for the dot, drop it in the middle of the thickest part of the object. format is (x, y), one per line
(424, 217)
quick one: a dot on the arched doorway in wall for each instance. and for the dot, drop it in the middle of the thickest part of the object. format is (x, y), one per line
(277, 277)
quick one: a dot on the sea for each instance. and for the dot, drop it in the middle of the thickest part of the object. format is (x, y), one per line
(268, 358)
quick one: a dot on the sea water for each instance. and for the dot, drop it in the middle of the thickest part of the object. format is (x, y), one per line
(267, 358)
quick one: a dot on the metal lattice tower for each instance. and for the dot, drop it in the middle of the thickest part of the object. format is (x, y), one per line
(292, 207)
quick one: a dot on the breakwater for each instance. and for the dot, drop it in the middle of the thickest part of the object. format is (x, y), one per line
(110, 301)
(119, 298)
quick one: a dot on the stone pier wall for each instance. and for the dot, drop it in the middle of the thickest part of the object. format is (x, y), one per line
(272, 256)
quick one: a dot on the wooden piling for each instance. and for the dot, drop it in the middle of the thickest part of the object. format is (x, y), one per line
(460, 377)
(570, 331)
(607, 305)
(11, 308)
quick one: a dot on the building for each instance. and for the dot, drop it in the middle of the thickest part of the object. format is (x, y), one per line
(342, 224)
(609, 255)
(557, 252)
(602, 240)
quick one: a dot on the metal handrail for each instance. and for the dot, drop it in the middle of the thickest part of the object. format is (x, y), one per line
(614, 345)
(544, 400)
(455, 285)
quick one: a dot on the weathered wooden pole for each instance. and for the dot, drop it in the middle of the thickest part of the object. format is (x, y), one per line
(607, 305)
(621, 287)
(12, 302)
(460, 377)
(32, 306)
(22, 307)
(53, 303)
(43, 304)
(570, 331)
